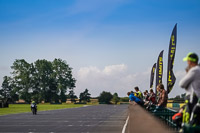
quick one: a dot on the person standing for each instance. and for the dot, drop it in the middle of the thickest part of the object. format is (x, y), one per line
(191, 83)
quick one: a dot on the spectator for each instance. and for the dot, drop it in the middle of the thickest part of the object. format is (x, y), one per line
(162, 102)
(145, 96)
(191, 83)
(152, 96)
(151, 99)
(134, 98)
(148, 94)
(138, 93)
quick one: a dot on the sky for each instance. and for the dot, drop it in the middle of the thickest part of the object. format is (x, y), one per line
(110, 44)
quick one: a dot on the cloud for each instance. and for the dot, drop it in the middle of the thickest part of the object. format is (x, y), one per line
(108, 71)
(113, 78)
(118, 78)
(114, 69)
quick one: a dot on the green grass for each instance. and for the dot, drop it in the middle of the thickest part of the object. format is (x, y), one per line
(22, 108)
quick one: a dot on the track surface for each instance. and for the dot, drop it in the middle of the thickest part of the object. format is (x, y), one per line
(94, 119)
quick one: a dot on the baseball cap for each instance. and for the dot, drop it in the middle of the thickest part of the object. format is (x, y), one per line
(191, 57)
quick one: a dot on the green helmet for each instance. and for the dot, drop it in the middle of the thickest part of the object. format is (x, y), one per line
(33, 102)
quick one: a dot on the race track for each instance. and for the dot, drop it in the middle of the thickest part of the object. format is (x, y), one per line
(90, 119)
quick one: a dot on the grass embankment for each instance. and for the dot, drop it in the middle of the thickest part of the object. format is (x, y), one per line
(22, 108)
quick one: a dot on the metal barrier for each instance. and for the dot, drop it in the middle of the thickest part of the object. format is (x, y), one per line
(165, 114)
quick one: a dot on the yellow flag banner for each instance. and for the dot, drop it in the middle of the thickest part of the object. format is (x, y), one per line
(159, 69)
(152, 75)
(171, 79)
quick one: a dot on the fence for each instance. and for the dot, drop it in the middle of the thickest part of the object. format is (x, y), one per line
(166, 114)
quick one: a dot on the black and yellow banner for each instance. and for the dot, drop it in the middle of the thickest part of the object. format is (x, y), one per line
(152, 75)
(159, 69)
(171, 79)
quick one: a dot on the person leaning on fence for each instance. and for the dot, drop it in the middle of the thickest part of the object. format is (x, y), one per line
(134, 93)
(162, 102)
(138, 93)
(152, 97)
(145, 98)
(191, 83)
(151, 100)
(134, 98)
(148, 94)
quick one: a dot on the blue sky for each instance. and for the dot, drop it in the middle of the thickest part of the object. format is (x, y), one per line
(111, 44)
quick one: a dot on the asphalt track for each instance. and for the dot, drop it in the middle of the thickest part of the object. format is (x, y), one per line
(90, 119)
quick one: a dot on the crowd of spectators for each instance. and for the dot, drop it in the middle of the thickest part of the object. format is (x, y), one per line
(189, 114)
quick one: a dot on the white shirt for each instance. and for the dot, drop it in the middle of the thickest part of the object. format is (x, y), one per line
(191, 81)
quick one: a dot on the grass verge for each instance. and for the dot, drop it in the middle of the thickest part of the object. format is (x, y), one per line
(22, 108)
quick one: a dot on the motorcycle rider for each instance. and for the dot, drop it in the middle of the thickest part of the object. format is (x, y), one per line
(34, 106)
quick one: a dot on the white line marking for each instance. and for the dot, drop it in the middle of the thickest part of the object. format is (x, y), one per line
(125, 125)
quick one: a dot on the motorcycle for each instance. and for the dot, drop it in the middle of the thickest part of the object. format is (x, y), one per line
(34, 109)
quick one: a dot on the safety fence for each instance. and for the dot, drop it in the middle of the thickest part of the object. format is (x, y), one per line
(165, 114)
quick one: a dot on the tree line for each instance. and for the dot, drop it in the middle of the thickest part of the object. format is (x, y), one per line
(103, 98)
(40, 81)
(47, 81)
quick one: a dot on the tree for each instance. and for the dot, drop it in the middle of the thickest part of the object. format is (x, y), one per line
(5, 92)
(124, 99)
(43, 80)
(178, 97)
(115, 99)
(85, 96)
(22, 79)
(105, 97)
(72, 95)
(63, 76)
